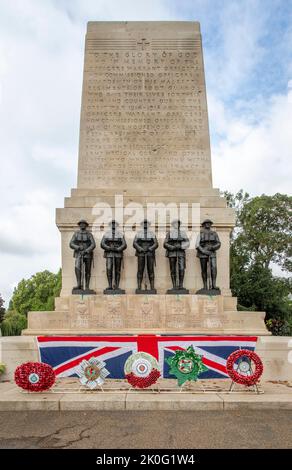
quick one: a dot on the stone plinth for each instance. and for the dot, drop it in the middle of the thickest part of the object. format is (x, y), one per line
(130, 314)
(202, 204)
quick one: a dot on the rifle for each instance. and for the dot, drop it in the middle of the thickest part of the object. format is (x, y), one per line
(145, 267)
(82, 270)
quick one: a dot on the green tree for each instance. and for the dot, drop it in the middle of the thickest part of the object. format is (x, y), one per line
(36, 293)
(2, 308)
(263, 232)
(262, 238)
(13, 323)
(257, 289)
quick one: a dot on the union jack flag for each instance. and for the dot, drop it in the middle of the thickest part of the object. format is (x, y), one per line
(64, 353)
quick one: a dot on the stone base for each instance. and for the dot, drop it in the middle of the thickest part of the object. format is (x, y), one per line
(76, 291)
(146, 291)
(145, 314)
(209, 292)
(176, 291)
(109, 291)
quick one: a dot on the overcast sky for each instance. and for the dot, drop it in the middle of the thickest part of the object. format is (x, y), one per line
(248, 61)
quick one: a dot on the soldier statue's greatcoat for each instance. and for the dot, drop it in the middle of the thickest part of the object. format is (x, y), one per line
(175, 243)
(145, 244)
(113, 243)
(207, 245)
(83, 245)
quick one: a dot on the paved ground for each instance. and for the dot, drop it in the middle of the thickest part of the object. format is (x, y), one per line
(146, 429)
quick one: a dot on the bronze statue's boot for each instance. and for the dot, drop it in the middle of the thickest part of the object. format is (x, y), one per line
(152, 283)
(78, 278)
(139, 280)
(110, 281)
(87, 281)
(205, 282)
(173, 278)
(181, 275)
(213, 279)
(117, 280)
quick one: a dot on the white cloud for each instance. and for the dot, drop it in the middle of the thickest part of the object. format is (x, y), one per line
(258, 157)
(233, 51)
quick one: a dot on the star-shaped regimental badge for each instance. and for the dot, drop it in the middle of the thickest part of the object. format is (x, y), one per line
(186, 365)
(92, 373)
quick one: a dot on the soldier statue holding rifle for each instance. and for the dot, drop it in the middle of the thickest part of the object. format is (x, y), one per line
(175, 243)
(145, 244)
(83, 245)
(207, 245)
(113, 243)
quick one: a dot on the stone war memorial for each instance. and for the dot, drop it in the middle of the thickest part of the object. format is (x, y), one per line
(144, 153)
(145, 236)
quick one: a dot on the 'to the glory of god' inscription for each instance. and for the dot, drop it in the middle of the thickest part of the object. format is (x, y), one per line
(144, 111)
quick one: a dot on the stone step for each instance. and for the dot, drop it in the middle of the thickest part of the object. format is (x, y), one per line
(14, 399)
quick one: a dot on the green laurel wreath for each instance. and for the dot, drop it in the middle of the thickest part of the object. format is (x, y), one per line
(186, 365)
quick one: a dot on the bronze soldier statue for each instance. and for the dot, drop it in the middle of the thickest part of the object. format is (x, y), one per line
(83, 245)
(145, 243)
(113, 243)
(175, 243)
(207, 244)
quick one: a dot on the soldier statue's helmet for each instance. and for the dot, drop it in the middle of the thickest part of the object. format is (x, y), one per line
(207, 221)
(145, 221)
(83, 221)
(175, 221)
(113, 222)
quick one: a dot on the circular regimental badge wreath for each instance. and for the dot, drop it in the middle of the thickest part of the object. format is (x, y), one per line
(35, 376)
(244, 367)
(186, 365)
(141, 370)
(92, 373)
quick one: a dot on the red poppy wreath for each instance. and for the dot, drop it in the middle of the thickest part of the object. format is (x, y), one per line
(240, 370)
(35, 376)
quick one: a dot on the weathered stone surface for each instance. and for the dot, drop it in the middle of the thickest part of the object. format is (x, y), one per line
(16, 400)
(143, 314)
(97, 401)
(144, 106)
(276, 354)
(238, 401)
(169, 398)
(14, 350)
(173, 401)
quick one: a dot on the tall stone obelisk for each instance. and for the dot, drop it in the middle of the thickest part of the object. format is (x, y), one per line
(144, 110)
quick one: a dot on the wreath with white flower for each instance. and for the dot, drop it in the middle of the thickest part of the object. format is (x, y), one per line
(141, 370)
(244, 367)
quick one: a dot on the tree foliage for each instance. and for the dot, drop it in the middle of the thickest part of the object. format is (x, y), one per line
(2, 308)
(36, 293)
(261, 242)
(13, 323)
(263, 234)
